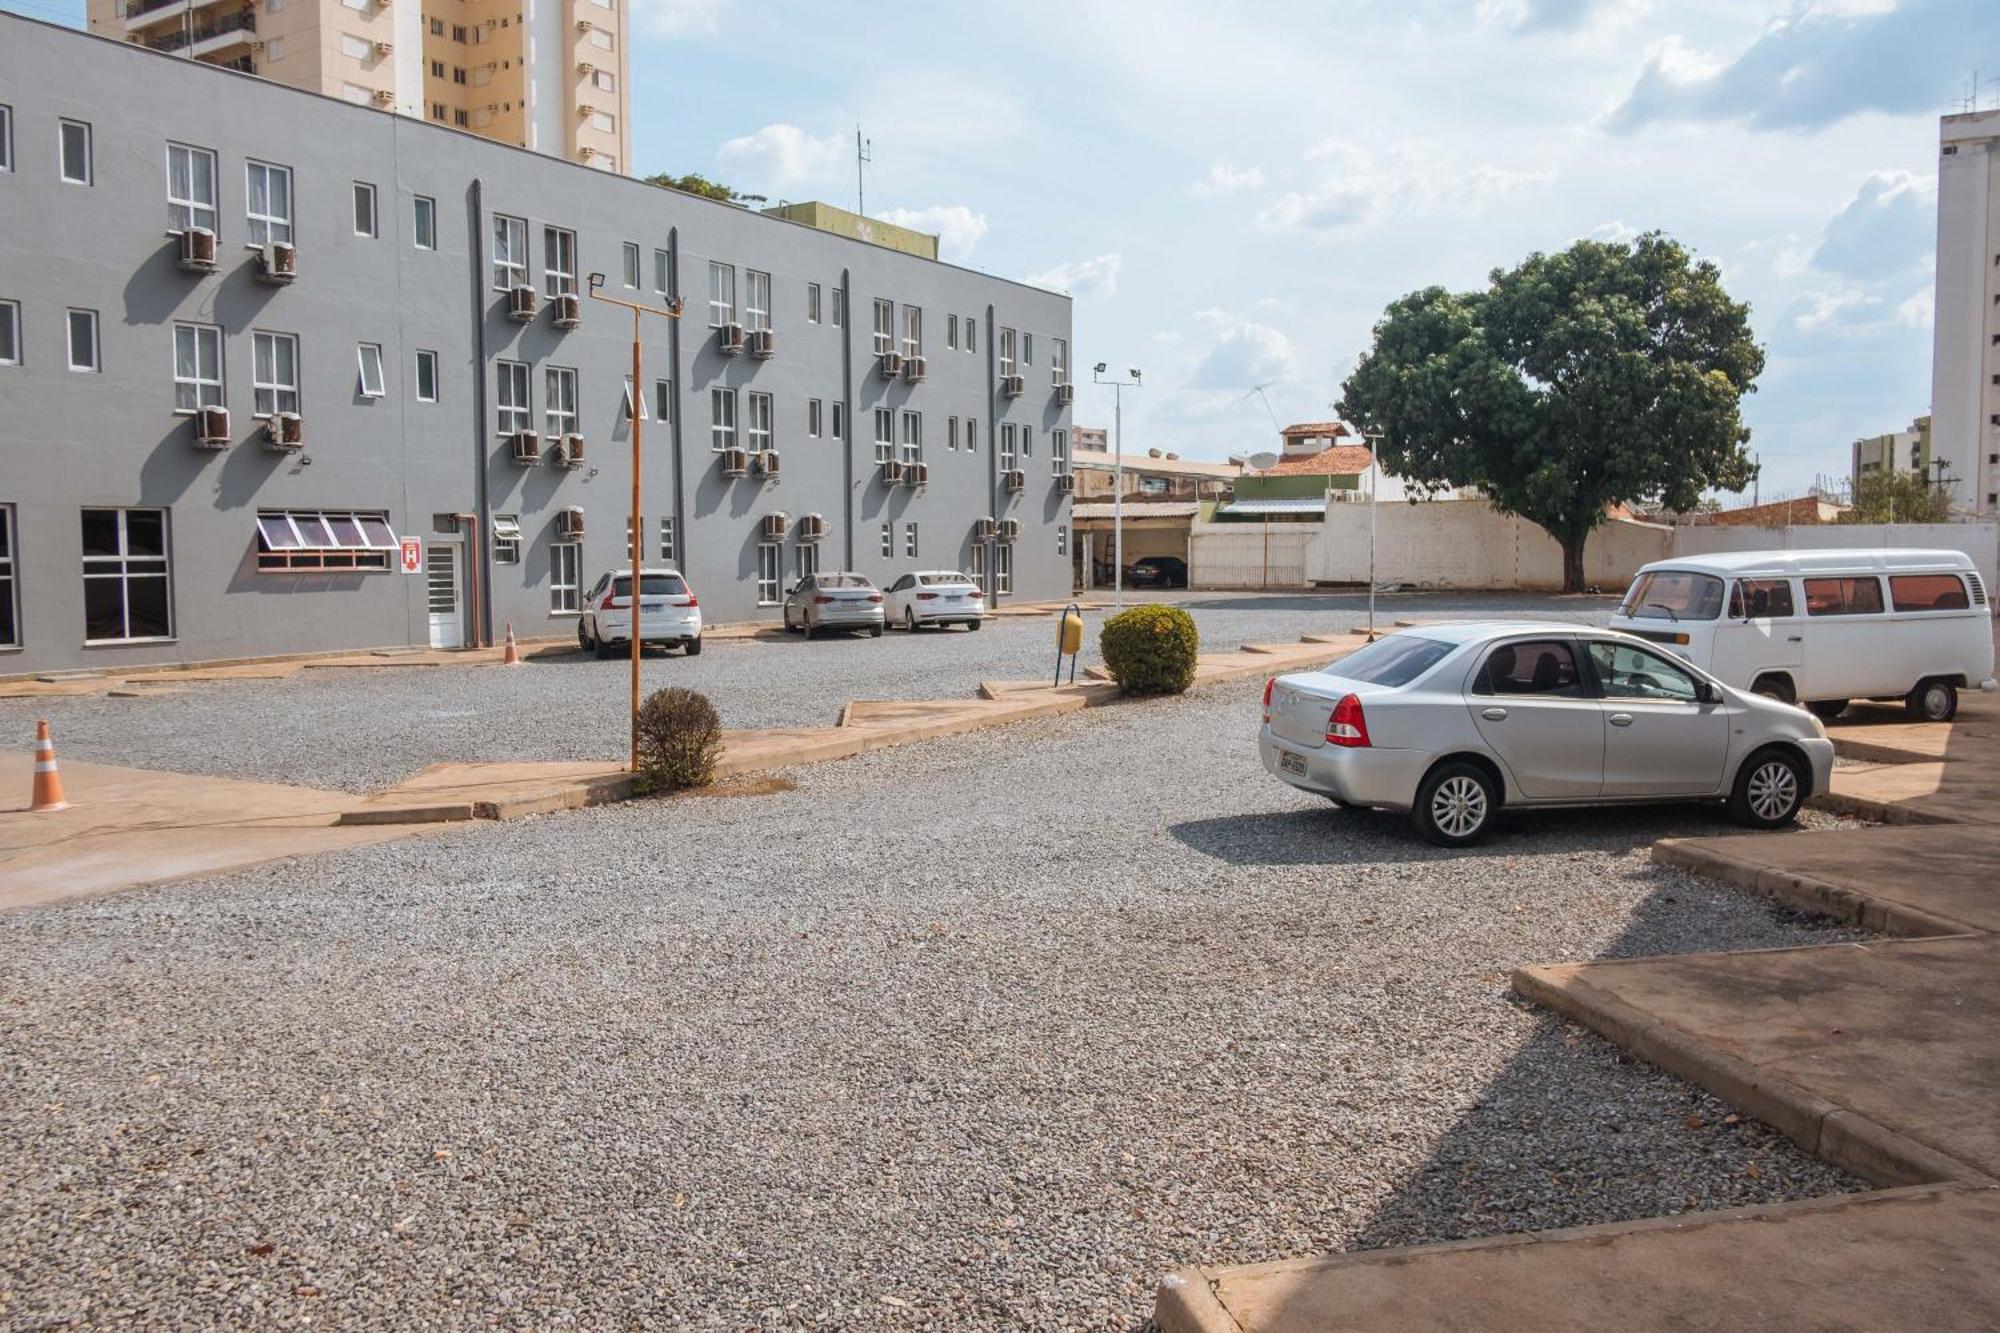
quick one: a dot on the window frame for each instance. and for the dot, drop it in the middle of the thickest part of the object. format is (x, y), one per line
(200, 384)
(1850, 584)
(367, 211)
(812, 303)
(1058, 452)
(913, 332)
(815, 413)
(64, 124)
(761, 419)
(510, 253)
(6, 137)
(756, 311)
(1059, 361)
(911, 442)
(565, 578)
(910, 539)
(272, 389)
(662, 271)
(264, 228)
(770, 581)
(560, 413)
(1963, 604)
(721, 418)
(837, 307)
(191, 203)
(971, 334)
(836, 424)
(512, 417)
(888, 541)
(1007, 337)
(885, 435)
(884, 329)
(118, 567)
(663, 401)
(1578, 688)
(507, 539)
(1601, 673)
(1737, 608)
(721, 293)
(362, 360)
(10, 590)
(633, 262)
(1003, 570)
(425, 366)
(558, 262)
(423, 222)
(95, 366)
(951, 331)
(366, 552)
(669, 541)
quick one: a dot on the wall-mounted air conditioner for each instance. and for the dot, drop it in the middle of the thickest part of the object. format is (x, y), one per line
(767, 462)
(763, 344)
(197, 250)
(735, 463)
(211, 427)
(566, 309)
(285, 430)
(775, 526)
(891, 365)
(277, 263)
(729, 339)
(569, 523)
(525, 447)
(569, 451)
(522, 304)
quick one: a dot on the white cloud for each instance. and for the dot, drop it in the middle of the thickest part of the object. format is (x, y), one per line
(1919, 310)
(1349, 186)
(1889, 226)
(1529, 17)
(1082, 277)
(678, 18)
(779, 157)
(1223, 178)
(957, 227)
(1616, 231)
(1242, 353)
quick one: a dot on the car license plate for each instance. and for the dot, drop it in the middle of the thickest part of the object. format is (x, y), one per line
(652, 606)
(1292, 763)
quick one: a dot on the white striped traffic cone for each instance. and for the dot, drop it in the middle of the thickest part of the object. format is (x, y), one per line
(48, 778)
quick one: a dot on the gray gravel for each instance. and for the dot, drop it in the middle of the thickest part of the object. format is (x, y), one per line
(988, 1032)
(366, 729)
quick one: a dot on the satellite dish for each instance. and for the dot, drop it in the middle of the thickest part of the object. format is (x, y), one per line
(1262, 462)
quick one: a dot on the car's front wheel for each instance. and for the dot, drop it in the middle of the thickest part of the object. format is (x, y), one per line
(1770, 789)
(1455, 805)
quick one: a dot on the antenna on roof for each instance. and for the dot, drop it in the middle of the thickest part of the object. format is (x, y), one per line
(863, 155)
(1258, 391)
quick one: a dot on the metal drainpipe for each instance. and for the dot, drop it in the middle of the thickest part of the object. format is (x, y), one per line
(482, 590)
(681, 533)
(993, 460)
(847, 410)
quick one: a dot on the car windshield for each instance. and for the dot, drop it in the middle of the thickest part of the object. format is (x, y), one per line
(650, 585)
(1673, 594)
(1396, 660)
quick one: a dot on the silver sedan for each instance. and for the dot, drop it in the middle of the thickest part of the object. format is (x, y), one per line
(1453, 722)
(834, 601)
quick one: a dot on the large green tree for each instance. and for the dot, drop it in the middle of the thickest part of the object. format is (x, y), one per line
(1605, 374)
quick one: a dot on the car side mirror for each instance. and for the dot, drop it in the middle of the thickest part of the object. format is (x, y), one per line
(1707, 693)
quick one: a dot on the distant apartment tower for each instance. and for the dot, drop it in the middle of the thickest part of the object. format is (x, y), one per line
(1965, 369)
(1898, 451)
(548, 75)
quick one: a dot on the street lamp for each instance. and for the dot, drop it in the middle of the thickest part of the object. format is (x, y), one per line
(635, 539)
(1118, 388)
(1374, 438)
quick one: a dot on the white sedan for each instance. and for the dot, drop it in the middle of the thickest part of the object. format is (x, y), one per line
(934, 597)
(1453, 722)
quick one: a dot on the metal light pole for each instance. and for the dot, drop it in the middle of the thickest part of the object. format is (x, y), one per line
(1374, 438)
(1118, 388)
(636, 537)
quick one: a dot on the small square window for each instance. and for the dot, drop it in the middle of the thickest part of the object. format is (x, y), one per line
(370, 357)
(910, 540)
(364, 209)
(427, 377)
(83, 350)
(506, 539)
(423, 222)
(888, 539)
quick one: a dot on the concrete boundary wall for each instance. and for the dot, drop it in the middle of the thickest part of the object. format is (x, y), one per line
(1980, 540)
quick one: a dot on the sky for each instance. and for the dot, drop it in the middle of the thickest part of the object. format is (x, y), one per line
(1233, 192)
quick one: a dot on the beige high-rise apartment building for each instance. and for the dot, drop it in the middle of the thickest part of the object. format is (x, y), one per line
(549, 75)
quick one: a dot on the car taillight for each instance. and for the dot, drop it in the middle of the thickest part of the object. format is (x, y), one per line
(822, 600)
(1348, 725)
(607, 603)
(874, 596)
(691, 601)
(977, 596)
(1269, 685)
(927, 597)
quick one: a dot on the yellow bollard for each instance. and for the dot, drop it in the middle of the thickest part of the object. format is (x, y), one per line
(1069, 640)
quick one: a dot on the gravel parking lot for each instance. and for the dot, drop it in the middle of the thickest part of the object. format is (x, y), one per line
(360, 730)
(987, 1032)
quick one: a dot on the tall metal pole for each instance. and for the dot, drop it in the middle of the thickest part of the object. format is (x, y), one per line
(1118, 388)
(1374, 439)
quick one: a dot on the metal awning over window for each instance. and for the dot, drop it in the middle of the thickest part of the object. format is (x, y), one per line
(506, 528)
(1304, 504)
(323, 539)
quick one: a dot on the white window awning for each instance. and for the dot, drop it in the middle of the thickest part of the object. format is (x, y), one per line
(506, 528)
(1302, 504)
(324, 530)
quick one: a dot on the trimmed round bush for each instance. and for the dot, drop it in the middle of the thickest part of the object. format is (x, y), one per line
(680, 739)
(1150, 649)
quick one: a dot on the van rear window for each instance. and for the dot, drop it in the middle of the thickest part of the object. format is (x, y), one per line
(1843, 597)
(1928, 592)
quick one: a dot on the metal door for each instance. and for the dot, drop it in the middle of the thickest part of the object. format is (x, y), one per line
(1659, 738)
(443, 595)
(1531, 705)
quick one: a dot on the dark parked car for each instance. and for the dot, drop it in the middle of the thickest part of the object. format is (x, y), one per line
(1157, 571)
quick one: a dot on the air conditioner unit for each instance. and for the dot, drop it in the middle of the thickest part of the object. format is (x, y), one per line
(1013, 385)
(763, 344)
(383, 48)
(569, 523)
(735, 463)
(277, 263)
(917, 474)
(567, 310)
(285, 430)
(586, 152)
(526, 447)
(1066, 483)
(914, 369)
(383, 97)
(1065, 393)
(729, 339)
(521, 304)
(569, 451)
(811, 528)
(891, 365)
(1010, 529)
(892, 472)
(984, 530)
(583, 25)
(767, 462)
(198, 250)
(211, 427)
(585, 68)
(775, 526)
(1016, 480)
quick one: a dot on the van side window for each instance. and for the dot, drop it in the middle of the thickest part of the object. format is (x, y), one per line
(1758, 599)
(1545, 667)
(1843, 597)
(1928, 592)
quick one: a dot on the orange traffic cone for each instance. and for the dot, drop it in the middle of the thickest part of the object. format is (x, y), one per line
(513, 656)
(48, 780)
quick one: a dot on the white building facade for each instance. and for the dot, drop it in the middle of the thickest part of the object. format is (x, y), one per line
(1965, 369)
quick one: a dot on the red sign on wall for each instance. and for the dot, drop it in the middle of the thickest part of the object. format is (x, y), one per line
(413, 555)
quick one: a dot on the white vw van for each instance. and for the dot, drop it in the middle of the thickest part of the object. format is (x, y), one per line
(1820, 628)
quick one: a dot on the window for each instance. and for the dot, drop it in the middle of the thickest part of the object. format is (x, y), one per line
(885, 435)
(565, 560)
(559, 402)
(721, 295)
(1062, 539)
(513, 409)
(369, 357)
(6, 138)
(808, 559)
(190, 187)
(1928, 592)
(951, 433)
(1006, 351)
(10, 602)
(437, 111)
(913, 332)
(812, 303)
(722, 418)
(760, 421)
(769, 555)
(839, 309)
(910, 540)
(1027, 441)
(267, 208)
(669, 551)
(460, 119)
(506, 539)
(427, 377)
(510, 253)
(885, 327)
(662, 267)
(558, 262)
(756, 299)
(437, 66)
(1003, 570)
(1007, 446)
(197, 366)
(364, 209)
(625, 407)
(1625, 671)
(1757, 599)
(630, 254)
(1027, 350)
(290, 539)
(1395, 661)
(663, 400)
(971, 434)
(1843, 597)
(83, 351)
(600, 39)
(604, 80)
(838, 426)
(1671, 594)
(458, 32)
(812, 418)
(274, 373)
(951, 332)
(1058, 452)
(10, 333)
(126, 593)
(1059, 361)
(1542, 666)
(423, 222)
(888, 539)
(913, 436)
(637, 533)
(978, 570)
(971, 335)
(74, 137)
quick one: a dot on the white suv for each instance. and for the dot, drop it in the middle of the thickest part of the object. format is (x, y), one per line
(934, 597)
(668, 612)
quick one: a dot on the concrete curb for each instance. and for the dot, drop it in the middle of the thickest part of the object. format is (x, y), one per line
(1805, 892)
(1876, 812)
(1186, 1303)
(1821, 1127)
(449, 813)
